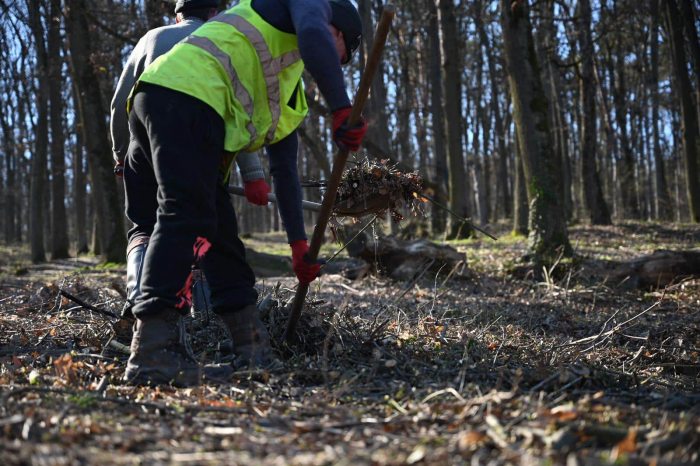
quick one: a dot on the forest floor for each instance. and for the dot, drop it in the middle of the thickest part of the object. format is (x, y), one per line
(483, 368)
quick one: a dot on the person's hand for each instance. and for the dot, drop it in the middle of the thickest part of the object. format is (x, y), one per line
(256, 191)
(119, 169)
(348, 137)
(305, 271)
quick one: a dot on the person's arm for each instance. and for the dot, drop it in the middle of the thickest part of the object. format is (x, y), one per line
(311, 19)
(249, 166)
(283, 167)
(119, 121)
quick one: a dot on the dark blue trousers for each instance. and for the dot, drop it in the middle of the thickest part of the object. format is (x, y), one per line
(175, 194)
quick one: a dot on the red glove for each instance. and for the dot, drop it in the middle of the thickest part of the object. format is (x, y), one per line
(306, 272)
(348, 137)
(119, 169)
(256, 191)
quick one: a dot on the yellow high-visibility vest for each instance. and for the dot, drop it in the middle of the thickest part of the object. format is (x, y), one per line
(246, 70)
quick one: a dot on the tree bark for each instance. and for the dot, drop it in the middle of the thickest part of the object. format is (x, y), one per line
(36, 216)
(547, 223)
(59, 224)
(110, 218)
(689, 117)
(595, 203)
(453, 113)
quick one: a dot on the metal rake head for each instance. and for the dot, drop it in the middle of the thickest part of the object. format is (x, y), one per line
(368, 205)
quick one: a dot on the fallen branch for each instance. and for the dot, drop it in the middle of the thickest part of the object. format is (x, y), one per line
(89, 307)
(611, 332)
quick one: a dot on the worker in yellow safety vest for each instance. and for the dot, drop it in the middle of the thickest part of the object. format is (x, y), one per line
(233, 85)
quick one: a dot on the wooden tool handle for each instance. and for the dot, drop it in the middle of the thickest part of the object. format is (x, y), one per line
(341, 158)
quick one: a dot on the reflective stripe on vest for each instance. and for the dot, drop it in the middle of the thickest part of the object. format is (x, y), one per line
(239, 89)
(271, 67)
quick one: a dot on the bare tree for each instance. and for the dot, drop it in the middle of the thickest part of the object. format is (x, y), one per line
(452, 82)
(504, 198)
(520, 205)
(59, 224)
(597, 208)
(691, 33)
(684, 95)
(663, 201)
(8, 147)
(36, 217)
(79, 180)
(547, 225)
(110, 223)
(438, 118)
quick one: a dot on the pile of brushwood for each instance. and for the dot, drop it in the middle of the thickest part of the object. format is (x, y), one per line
(374, 186)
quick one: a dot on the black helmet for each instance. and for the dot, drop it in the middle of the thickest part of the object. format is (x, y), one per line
(348, 21)
(184, 5)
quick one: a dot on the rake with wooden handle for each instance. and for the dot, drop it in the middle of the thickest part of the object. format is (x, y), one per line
(339, 163)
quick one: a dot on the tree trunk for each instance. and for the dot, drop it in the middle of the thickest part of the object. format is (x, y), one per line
(23, 175)
(689, 118)
(79, 177)
(36, 216)
(504, 198)
(438, 120)
(404, 260)
(663, 201)
(547, 223)
(404, 102)
(453, 114)
(689, 21)
(628, 183)
(110, 217)
(481, 171)
(8, 145)
(47, 208)
(59, 223)
(551, 79)
(595, 203)
(520, 210)
(375, 109)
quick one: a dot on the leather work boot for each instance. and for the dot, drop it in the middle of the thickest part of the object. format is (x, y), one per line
(135, 257)
(159, 355)
(251, 342)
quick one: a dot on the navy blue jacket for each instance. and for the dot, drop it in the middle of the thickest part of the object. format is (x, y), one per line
(309, 20)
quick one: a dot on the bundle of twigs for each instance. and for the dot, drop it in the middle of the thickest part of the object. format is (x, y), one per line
(376, 186)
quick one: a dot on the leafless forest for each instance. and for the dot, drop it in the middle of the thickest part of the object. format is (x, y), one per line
(568, 129)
